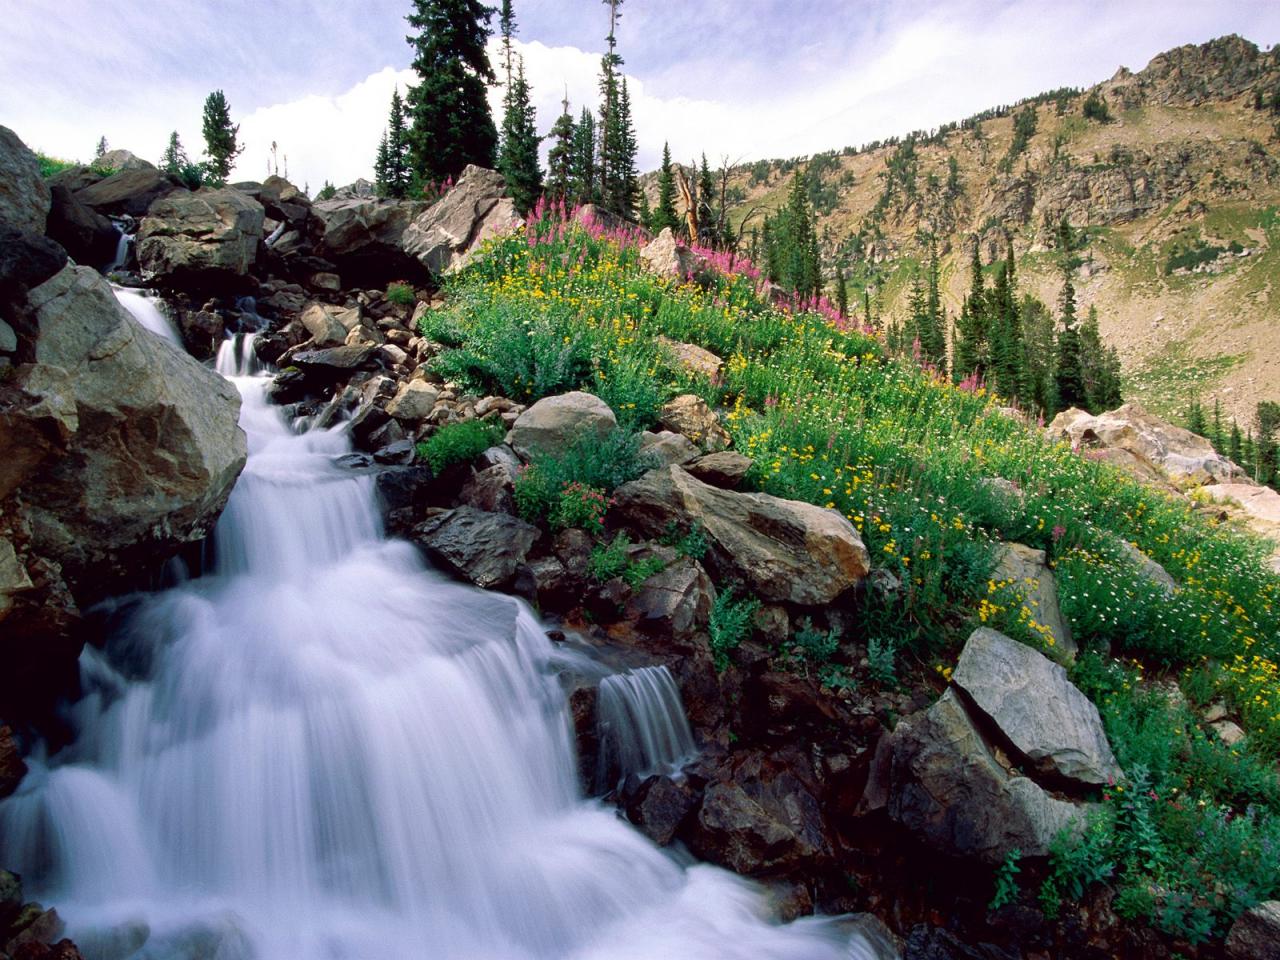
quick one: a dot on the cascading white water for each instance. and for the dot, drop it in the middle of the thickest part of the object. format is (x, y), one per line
(324, 750)
(641, 723)
(146, 310)
(122, 251)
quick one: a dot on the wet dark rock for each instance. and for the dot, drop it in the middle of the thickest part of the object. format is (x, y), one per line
(87, 236)
(12, 770)
(658, 805)
(485, 548)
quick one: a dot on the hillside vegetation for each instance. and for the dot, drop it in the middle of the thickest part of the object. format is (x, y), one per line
(934, 477)
(1172, 176)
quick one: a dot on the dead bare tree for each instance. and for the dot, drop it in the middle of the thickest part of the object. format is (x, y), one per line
(690, 205)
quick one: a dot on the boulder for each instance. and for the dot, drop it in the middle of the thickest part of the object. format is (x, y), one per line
(1027, 570)
(129, 192)
(209, 234)
(122, 160)
(784, 550)
(443, 236)
(1145, 445)
(485, 548)
(692, 357)
(362, 236)
(1256, 935)
(666, 255)
(553, 423)
(949, 789)
(1256, 507)
(1148, 568)
(690, 415)
(12, 770)
(658, 805)
(329, 325)
(26, 260)
(414, 401)
(1037, 710)
(148, 444)
(725, 469)
(24, 197)
(674, 602)
(668, 448)
(88, 236)
(284, 202)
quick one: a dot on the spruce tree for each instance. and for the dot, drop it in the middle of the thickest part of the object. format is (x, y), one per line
(518, 161)
(1216, 435)
(1070, 376)
(932, 330)
(842, 292)
(101, 150)
(585, 188)
(560, 156)
(399, 172)
(791, 244)
(174, 159)
(450, 121)
(1195, 417)
(706, 205)
(610, 129)
(665, 215)
(380, 164)
(917, 316)
(626, 175)
(220, 137)
(972, 345)
(1039, 391)
(1235, 444)
(1100, 367)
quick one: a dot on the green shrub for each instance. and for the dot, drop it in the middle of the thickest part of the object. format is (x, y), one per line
(51, 166)
(401, 294)
(613, 559)
(692, 544)
(603, 464)
(459, 443)
(730, 624)
(813, 645)
(580, 506)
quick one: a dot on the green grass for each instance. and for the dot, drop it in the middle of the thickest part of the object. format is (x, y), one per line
(829, 418)
(1166, 382)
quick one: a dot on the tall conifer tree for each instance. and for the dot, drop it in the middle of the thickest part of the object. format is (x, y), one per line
(665, 215)
(560, 156)
(221, 146)
(519, 156)
(585, 186)
(451, 125)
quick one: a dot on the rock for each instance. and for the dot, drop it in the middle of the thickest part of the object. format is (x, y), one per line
(761, 821)
(490, 490)
(485, 548)
(1257, 507)
(667, 448)
(12, 770)
(552, 424)
(1145, 445)
(8, 338)
(24, 197)
(26, 261)
(128, 193)
(693, 358)
(1148, 568)
(149, 443)
(725, 469)
(335, 361)
(948, 788)
(1037, 709)
(123, 160)
(13, 577)
(1028, 572)
(329, 325)
(284, 202)
(88, 236)
(414, 401)
(209, 234)
(784, 550)
(1256, 934)
(666, 255)
(1228, 732)
(935, 943)
(691, 416)
(659, 806)
(323, 280)
(675, 601)
(362, 235)
(442, 237)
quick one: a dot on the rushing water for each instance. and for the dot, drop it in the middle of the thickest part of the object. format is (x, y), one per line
(145, 308)
(322, 749)
(642, 725)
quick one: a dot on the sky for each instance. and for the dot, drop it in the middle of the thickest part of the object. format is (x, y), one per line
(736, 79)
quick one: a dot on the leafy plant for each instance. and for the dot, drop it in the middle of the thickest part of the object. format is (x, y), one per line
(580, 506)
(1007, 880)
(613, 559)
(401, 294)
(692, 544)
(813, 645)
(603, 464)
(730, 624)
(459, 443)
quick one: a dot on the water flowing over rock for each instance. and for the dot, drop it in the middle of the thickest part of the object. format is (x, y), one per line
(24, 197)
(321, 747)
(474, 209)
(784, 550)
(1038, 710)
(206, 236)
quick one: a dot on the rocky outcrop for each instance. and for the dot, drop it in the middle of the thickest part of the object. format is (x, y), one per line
(24, 197)
(1256, 935)
(690, 415)
(725, 469)
(129, 192)
(362, 236)
(443, 237)
(122, 160)
(1148, 447)
(485, 548)
(199, 238)
(1256, 507)
(88, 236)
(783, 550)
(115, 450)
(553, 423)
(1026, 571)
(1038, 711)
(692, 357)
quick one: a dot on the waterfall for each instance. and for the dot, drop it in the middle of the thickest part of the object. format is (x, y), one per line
(145, 308)
(122, 251)
(642, 725)
(321, 748)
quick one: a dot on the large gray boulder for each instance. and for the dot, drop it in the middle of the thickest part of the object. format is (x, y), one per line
(209, 234)
(444, 236)
(1041, 713)
(1256, 935)
(949, 789)
(24, 197)
(129, 192)
(142, 443)
(362, 234)
(784, 550)
(553, 423)
(666, 255)
(1027, 571)
(123, 160)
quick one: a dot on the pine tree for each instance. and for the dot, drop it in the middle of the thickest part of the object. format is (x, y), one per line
(972, 345)
(220, 137)
(1216, 435)
(381, 162)
(584, 184)
(101, 150)
(706, 205)
(450, 121)
(560, 156)
(665, 215)
(507, 30)
(1039, 391)
(1195, 417)
(1267, 450)
(842, 292)
(626, 175)
(1100, 367)
(174, 159)
(932, 330)
(399, 171)
(645, 213)
(917, 316)
(1070, 376)
(518, 160)
(610, 128)
(1235, 444)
